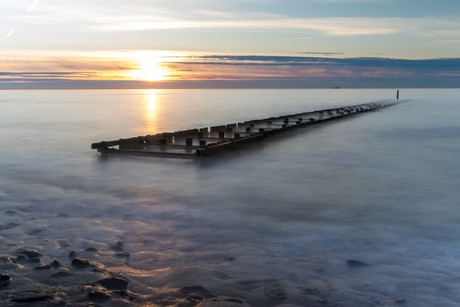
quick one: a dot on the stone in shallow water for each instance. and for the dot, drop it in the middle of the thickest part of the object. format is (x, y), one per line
(310, 291)
(122, 255)
(83, 263)
(228, 259)
(43, 267)
(352, 262)
(61, 274)
(55, 264)
(98, 295)
(119, 246)
(4, 280)
(73, 254)
(30, 297)
(91, 249)
(197, 290)
(8, 263)
(114, 283)
(30, 253)
(275, 293)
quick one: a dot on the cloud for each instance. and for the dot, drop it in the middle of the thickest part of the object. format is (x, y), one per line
(33, 5)
(10, 33)
(218, 16)
(89, 66)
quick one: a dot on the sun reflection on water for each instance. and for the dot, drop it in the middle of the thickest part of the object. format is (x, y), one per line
(151, 110)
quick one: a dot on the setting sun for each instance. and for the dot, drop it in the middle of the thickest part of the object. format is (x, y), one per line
(150, 69)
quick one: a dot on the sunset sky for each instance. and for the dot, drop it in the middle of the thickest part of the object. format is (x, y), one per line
(231, 43)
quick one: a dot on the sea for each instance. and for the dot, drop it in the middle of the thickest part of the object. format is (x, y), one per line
(269, 225)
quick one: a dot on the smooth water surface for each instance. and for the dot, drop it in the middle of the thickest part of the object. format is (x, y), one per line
(381, 187)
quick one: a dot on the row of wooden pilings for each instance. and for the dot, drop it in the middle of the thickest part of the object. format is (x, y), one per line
(223, 133)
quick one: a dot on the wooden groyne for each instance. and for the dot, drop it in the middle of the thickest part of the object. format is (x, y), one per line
(214, 140)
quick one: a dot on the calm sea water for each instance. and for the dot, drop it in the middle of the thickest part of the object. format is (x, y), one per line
(381, 187)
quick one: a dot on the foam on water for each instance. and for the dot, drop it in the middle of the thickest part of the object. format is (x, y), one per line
(380, 187)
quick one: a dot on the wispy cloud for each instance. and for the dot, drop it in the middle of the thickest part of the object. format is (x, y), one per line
(141, 16)
(10, 33)
(33, 5)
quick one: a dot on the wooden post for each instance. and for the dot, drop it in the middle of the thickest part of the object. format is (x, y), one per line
(397, 94)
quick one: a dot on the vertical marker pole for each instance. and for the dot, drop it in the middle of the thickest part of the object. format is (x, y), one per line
(397, 94)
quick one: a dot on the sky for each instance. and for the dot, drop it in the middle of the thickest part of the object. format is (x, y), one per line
(231, 43)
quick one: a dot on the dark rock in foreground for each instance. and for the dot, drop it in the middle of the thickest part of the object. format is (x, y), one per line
(122, 255)
(4, 280)
(61, 274)
(83, 263)
(72, 254)
(98, 295)
(356, 263)
(197, 290)
(114, 283)
(91, 249)
(119, 246)
(275, 293)
(43, 267)
(30, 253)
(32, 297)
(55, 264)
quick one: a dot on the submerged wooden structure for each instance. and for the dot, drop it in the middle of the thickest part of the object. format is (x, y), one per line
(218, 139)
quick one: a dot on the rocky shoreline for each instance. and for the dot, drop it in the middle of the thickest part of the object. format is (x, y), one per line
(92, 277)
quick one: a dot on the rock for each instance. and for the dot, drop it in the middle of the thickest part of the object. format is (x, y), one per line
(8, 263)
(55, 264)
(91, 249)
(30, 253)
(34, 260)
(9, 225)
(114, 283)
(197, 290)
(43, 267)
(220, 275)
(275, 293)
(310, 291)
(4, 280)
(73, 254)
(83, 263)
(64, 243)
(61, 274)
(21, 258)
(247, 281)
(400, 301)
(228, 259)
(234, 300)
(32, 297)
(119, 246)
(98, 270)
(122, 255)
(356, 263)
(124, 294)
(12, 212)
(98, 295)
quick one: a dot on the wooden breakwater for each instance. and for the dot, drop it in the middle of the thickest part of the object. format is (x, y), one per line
(218, 139)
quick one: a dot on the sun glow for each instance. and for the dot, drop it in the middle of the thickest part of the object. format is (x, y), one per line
(150, 68)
